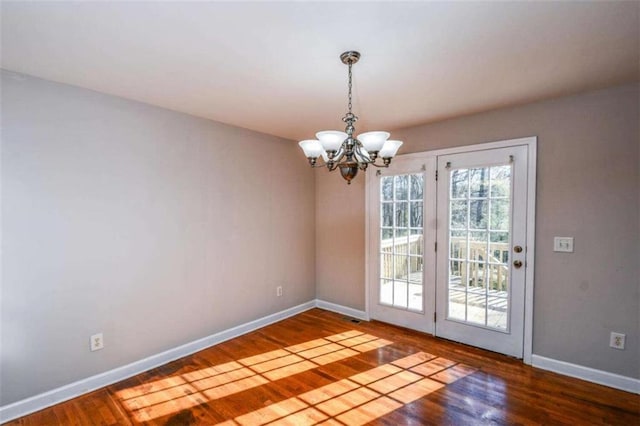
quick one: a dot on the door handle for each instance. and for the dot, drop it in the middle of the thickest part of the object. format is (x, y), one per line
(517, 264)
(517, 249)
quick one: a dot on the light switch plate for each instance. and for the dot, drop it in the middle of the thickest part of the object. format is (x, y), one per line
(563, 244)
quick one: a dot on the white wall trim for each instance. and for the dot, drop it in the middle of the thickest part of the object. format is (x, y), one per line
(75, 389)
(344, 310)
(600, 377)
(480, 146)
(532, 197)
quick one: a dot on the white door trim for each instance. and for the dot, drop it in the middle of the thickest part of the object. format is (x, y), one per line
(429, 157)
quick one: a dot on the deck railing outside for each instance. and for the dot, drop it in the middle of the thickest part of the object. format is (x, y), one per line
(481, 260)
(483, 266)
(406, 267)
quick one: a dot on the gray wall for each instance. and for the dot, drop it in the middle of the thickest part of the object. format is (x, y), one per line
(588, 187)
(138, 222)
(154, 227)
(340, 248)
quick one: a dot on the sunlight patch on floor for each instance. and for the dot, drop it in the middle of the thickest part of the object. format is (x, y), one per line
(166, 396)
(363, 397)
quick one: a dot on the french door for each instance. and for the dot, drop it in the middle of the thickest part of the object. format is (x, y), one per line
(457, 268)
(480, 270)
(398, 240)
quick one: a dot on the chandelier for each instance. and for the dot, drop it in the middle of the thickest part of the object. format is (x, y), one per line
(342, 150)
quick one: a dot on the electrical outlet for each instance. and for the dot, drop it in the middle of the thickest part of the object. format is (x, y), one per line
(616, 340)
(279, 291)
(97, 342)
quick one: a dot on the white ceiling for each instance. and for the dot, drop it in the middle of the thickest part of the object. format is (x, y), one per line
(274, 66)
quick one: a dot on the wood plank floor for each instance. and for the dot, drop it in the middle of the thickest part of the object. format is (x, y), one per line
(318, 368)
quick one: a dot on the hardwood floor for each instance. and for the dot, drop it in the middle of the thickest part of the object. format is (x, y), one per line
(320, 368)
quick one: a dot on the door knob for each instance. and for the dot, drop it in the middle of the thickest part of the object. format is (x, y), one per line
(517, 264)
(517, 249)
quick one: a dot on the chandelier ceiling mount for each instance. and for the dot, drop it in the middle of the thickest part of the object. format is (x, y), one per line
(350, 57)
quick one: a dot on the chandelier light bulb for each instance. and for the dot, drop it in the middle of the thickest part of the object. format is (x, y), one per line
(331, 140)
(373, 141)
(389, 149)
(312, 148)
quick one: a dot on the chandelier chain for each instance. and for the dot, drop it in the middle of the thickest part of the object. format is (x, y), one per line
(350, 87)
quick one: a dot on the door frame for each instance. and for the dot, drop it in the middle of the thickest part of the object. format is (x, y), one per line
(430, 159)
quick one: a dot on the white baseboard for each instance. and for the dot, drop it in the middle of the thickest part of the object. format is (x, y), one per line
(344, 310)
(600, 377)
(72, 390)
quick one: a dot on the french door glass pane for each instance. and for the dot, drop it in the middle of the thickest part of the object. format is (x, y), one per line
(402, 210)
(401, 241)
(386, 292)
(417, 183)
(401, 187)
(416, 214)
(479, 231)
(387, 190)
(387, 214)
